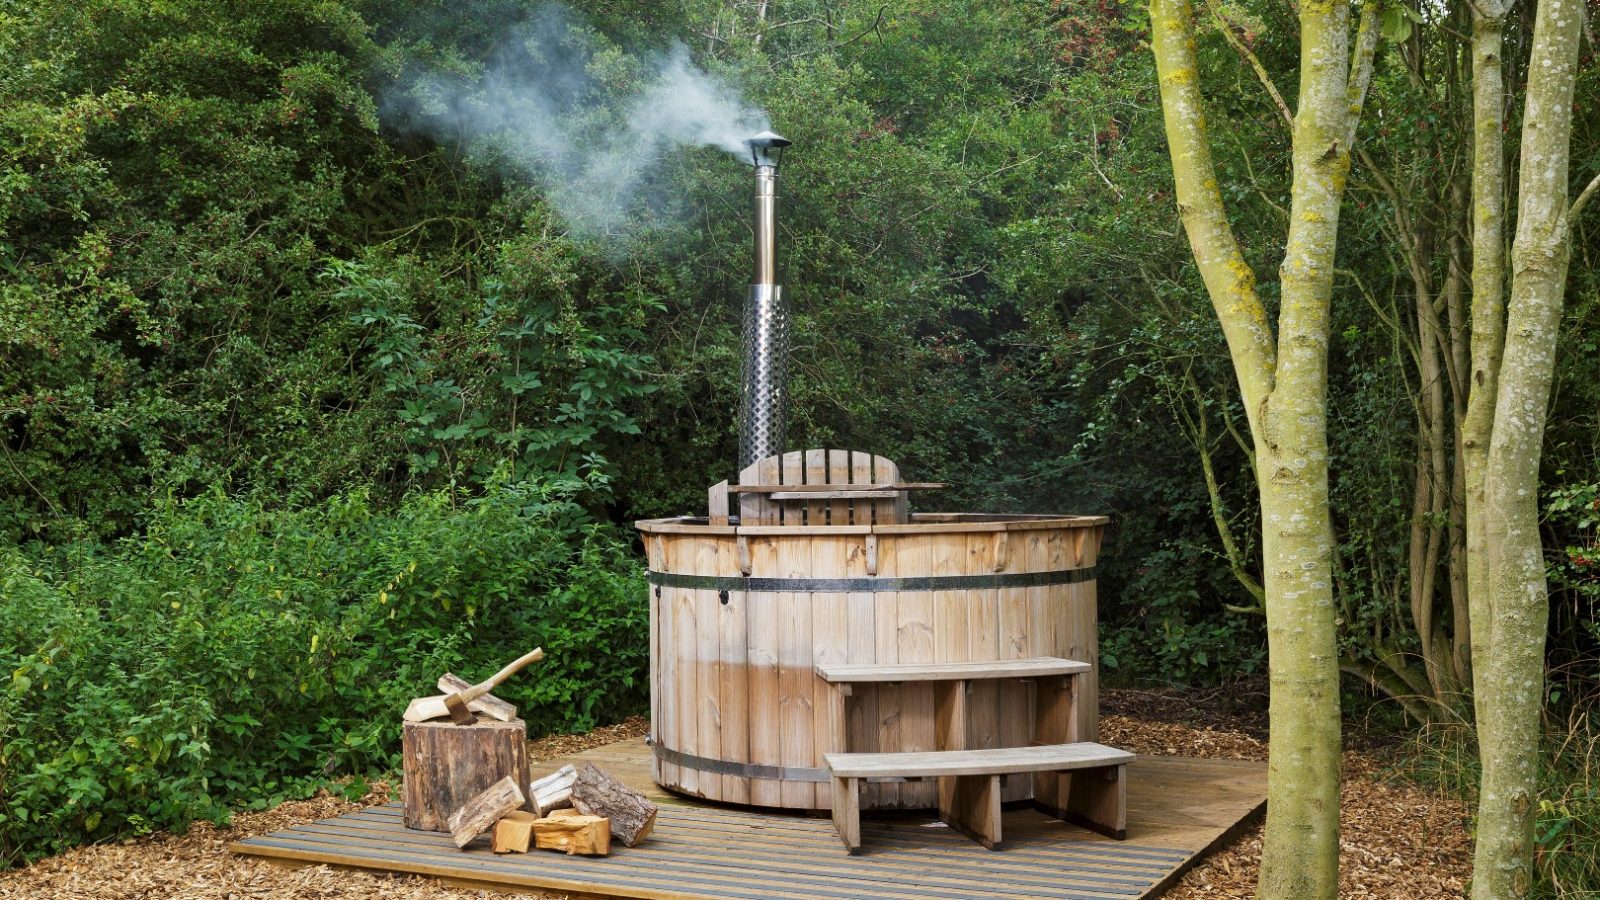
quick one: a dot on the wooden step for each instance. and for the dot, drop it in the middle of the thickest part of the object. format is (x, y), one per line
(1027, 667)
(1079, 782)
(998, 761)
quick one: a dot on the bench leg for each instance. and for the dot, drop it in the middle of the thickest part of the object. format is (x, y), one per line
(973, 807)
(1055, 722)
(847, 812)
(1097, 799)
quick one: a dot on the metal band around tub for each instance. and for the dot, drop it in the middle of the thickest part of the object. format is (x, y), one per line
(870, 584)
(739, 769)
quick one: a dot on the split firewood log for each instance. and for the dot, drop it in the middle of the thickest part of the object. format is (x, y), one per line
(632, 815)
(553, 791)
(483, 811)
(514, 833)
(584, 835)
(488, 704)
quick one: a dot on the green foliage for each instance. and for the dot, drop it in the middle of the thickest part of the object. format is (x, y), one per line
(1567, 829)
(228, 269)
(237, 653)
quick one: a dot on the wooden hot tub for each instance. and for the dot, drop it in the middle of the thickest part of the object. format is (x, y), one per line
(740, 614)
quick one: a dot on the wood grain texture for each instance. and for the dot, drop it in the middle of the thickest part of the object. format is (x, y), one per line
(488, 704)
(632, 814)
(971, 805)
(999, 761)
(736, 679)
(796, 694)
(733, 676)
(764, 714)
(847, 812)
(986, 553)
(552, 792)
(1030, 667)
(514, 832)
(1055, 722)
(444, 765)
(914, 640)
(485, 808)
(886, 633)
(685, 648)
(825, 487)
(579, 835)
(841, 511)
(830, 644)
(708, 666)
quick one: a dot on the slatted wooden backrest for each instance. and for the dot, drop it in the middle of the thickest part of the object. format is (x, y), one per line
(817, 467)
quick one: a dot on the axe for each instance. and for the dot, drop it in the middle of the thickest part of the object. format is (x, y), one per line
(455, 705)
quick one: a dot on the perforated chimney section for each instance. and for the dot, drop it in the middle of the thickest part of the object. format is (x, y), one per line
(763, 407)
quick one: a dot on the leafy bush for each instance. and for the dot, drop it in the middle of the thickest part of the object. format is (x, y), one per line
(236, 653)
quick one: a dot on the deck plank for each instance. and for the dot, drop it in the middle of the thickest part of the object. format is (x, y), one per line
(1178, 808)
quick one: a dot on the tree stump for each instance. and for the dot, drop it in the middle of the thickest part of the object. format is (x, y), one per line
(446, 764)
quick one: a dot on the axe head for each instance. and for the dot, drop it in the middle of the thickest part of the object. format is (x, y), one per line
(459, 713)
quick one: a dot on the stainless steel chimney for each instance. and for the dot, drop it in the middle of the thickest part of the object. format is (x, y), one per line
(763, 407)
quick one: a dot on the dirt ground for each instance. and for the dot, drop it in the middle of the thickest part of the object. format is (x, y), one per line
(1398, 841)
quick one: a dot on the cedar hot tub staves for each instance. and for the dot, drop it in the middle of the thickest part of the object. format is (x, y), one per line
(743, 610)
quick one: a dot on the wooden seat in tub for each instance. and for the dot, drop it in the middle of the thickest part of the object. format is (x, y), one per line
(816, 487)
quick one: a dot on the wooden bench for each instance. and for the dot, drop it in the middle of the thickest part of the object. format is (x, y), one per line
(969, 779)
(1055, 700)
(1094, 789)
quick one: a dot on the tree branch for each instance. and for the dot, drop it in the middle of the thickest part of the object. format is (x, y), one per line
(1255, 63)
(1361, 63)
(1229, 280)
(1583, 200)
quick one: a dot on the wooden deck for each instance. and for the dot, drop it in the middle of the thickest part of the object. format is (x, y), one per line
(1178, 810)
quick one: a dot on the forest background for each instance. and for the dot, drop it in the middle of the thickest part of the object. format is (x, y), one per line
(310, 389)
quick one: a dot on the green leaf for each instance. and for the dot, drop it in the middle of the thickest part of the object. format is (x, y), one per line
(1396, 24)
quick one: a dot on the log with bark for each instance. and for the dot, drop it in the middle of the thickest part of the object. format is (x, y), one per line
(632, 815)
(482, 812)
(445, 765)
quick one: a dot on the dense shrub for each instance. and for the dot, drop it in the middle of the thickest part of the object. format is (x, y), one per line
(237, 653)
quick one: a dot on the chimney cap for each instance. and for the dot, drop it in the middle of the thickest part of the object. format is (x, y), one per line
(762, 146)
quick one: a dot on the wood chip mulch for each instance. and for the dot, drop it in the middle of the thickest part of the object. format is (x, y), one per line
(1398, 840)
(198, 866)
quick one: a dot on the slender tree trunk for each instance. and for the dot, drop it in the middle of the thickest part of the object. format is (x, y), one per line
(1488, 219)
(1459, 348)
(1283, 382)
(1509, 679)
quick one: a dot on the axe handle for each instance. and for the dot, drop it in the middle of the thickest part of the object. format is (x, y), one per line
(478, 690)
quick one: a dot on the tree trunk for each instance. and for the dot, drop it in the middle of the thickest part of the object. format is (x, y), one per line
(1510, 677)
(1488, 303)
(1283, 382)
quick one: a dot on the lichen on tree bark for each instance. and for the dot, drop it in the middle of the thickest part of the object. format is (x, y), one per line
(1283, 381)
(1510, 599)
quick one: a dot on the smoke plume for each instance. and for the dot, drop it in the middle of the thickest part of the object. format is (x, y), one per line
(590, 122)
